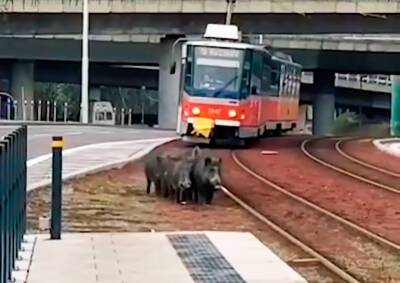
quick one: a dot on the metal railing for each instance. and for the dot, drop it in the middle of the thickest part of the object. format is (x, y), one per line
(49, 112)
(13, 156)
(383, 80)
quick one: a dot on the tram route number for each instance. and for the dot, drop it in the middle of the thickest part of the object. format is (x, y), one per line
(214, 111)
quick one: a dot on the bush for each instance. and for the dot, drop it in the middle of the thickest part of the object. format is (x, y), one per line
(346, 123)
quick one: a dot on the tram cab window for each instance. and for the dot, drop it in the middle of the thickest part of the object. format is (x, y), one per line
(189, 67)
(245, 83)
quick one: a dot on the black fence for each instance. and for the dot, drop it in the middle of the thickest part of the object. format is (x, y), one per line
(13, 155)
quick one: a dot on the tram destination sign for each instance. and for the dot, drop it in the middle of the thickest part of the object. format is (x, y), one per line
(219, 52)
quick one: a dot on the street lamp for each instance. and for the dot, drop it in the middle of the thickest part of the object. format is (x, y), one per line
(85, 64)
(229, 10)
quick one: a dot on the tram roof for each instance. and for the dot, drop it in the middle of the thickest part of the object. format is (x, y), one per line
(237, 45)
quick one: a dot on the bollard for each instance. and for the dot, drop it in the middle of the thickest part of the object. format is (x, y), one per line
(8, 109)
(32, 107)
(24, 110)
(56, 196)
(65, 111)
(122, 117)
(55, 111)
(130, 117)
(40, 110)
(15, 109)
(48, 111)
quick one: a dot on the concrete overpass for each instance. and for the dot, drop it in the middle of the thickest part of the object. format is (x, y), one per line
(208, 6)
(58, 60)
(52, 31)
(188, 17)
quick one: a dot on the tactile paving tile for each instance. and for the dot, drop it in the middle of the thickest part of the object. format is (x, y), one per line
(203, 260)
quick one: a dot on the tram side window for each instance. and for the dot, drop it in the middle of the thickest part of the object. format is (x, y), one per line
(266, 75)
(275, 74)
(290, 80)
(298, 71)
(256, 75)
(283, 81)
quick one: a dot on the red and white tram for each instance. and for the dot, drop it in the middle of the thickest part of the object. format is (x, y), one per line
(230, 89)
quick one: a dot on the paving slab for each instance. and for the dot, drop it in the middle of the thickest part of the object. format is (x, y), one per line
(176, 257)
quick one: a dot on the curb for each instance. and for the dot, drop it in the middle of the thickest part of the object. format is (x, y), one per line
(45, 123)
(380, 145)
(105, 166)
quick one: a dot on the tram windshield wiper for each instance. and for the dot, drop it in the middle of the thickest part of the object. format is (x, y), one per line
(217, 92)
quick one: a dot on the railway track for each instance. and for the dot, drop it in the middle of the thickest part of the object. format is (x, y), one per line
(343, 269)
(338, 160)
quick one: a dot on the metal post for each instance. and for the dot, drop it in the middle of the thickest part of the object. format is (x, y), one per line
(56, 196)
(85, 64)
(229, 10)
(3, 177)
(142, 99)
(395, 107)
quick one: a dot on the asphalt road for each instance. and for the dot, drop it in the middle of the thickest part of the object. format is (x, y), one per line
(39, 137)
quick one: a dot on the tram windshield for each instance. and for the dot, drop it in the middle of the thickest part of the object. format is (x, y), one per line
(214, 72)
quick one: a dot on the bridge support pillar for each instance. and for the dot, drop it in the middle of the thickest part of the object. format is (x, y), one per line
(323, 103)
(22, 86)
(168, 85)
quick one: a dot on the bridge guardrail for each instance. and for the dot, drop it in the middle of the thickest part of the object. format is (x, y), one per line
(370, 79)
(13, 157)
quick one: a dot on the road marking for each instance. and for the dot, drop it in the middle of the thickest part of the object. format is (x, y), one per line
(90, 163)
(67, 152)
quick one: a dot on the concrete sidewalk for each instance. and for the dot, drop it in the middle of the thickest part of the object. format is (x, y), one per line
(81, 160)
(175, 257)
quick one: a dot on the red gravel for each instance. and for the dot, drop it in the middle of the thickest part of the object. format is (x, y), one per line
(365, 150)
(358, 255)
(363, 204)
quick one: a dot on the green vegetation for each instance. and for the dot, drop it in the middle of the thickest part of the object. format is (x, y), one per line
(346, 123)
(60, 93)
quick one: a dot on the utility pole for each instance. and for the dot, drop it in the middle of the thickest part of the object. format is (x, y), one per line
(85, 64)
(229, 11)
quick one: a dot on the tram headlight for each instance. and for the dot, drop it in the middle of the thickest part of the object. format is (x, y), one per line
(232, 113)
(196, 110)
